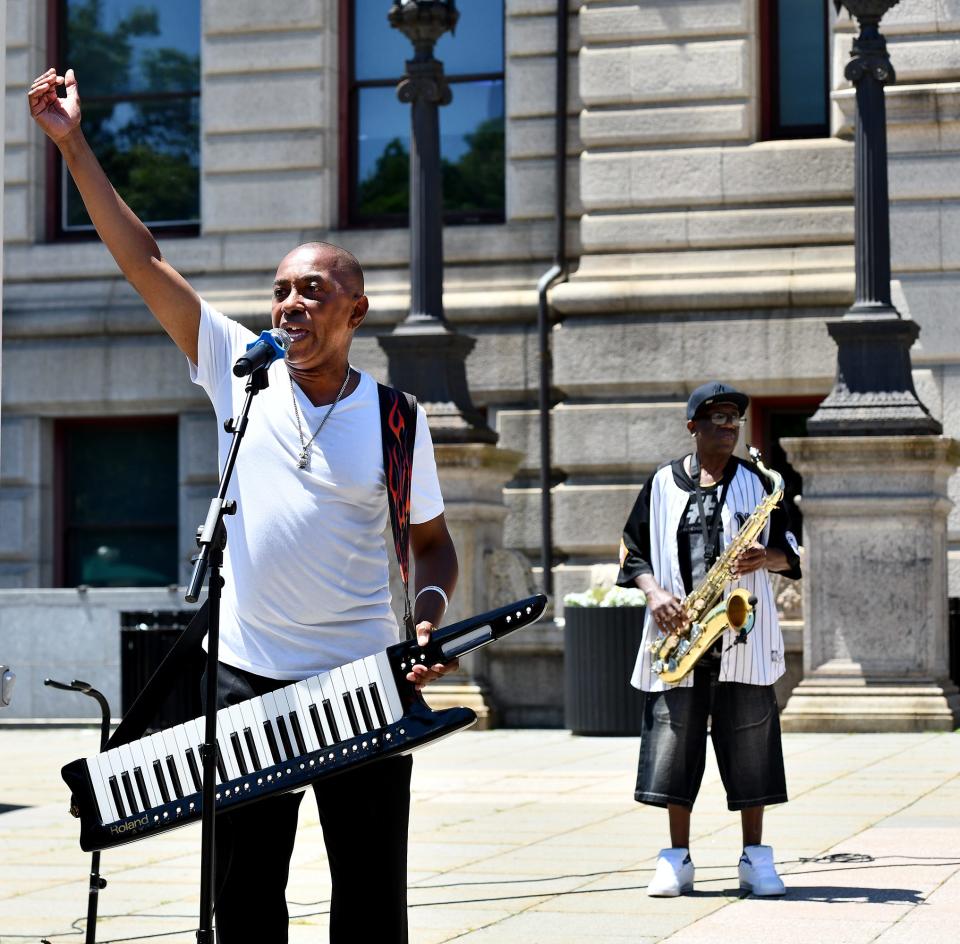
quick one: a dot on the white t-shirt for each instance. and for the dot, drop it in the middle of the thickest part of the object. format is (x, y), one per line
(306, 563)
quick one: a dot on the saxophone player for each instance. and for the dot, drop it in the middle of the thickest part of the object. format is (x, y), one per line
(686, 513)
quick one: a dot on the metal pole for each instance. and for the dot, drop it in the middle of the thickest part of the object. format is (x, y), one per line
(870, 70)
(425, 355)
(873, 394)
(425, 88)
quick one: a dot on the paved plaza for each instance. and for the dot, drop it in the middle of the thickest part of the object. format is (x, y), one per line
(532, 837)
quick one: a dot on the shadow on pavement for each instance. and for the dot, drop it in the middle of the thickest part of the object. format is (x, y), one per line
(846, 894)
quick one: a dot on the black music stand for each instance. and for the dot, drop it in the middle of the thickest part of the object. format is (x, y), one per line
(96, 882)
(212, 539)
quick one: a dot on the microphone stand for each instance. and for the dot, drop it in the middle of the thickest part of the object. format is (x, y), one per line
(212, 539)
(97, 882)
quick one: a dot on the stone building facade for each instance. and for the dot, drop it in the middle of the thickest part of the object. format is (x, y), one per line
(698, 247)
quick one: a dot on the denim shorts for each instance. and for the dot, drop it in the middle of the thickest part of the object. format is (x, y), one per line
(744, 724)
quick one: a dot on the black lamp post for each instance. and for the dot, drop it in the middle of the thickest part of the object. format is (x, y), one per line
(873, 393)
(425, 355)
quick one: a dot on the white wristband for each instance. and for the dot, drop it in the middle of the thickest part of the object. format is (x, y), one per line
(435, 589)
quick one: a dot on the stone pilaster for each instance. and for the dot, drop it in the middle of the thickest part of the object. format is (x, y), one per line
(875, 591)
(472, 476)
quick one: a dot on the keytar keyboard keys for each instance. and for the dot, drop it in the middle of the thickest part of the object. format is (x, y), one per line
(388, 689)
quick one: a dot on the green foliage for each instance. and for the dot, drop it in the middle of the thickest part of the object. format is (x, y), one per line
(102, 58)
(387, 189)
(151, 159)
(473, 183)
(149, 148)
(476, 181)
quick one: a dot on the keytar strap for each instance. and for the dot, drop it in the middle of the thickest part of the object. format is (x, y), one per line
(398, 432)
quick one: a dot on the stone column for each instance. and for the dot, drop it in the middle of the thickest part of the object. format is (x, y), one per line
(875, 594)
(472, 477)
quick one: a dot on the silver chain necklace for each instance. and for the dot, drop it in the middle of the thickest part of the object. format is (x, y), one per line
(303, 462)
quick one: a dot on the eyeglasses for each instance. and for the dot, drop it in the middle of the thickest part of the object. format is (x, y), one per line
(725, 419)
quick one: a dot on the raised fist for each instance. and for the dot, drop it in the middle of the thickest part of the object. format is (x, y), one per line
(56, 116)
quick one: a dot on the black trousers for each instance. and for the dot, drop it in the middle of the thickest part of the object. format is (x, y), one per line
(364, 815)
(744, 725)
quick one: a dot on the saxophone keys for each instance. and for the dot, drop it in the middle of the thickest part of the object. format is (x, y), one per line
(696, 631)
(658, 666)
(683, 648)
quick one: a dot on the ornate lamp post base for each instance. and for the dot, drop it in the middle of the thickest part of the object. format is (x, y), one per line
(429, 359)
(875, 470)
(425, 355)
(874, 392)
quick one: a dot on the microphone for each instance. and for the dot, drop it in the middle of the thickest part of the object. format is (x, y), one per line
(263, 352)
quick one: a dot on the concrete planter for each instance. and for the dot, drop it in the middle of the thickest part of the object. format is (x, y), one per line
(600, 647)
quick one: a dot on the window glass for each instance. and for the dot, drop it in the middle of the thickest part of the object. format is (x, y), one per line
(138, 67)
(471, 149)
(379, 50)
(477, 45)
(120, 504)
(471, 126)
(802, 60)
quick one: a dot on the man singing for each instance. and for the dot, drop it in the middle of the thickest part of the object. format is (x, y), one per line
(306, 565)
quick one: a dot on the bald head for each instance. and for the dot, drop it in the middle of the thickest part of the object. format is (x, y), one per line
(339, 261)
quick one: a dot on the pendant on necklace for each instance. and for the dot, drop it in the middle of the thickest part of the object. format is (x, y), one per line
(302, 461)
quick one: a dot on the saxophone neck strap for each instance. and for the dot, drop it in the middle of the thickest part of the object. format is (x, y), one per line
(711, 532)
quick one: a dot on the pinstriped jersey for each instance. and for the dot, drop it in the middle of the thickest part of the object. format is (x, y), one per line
(651, 544)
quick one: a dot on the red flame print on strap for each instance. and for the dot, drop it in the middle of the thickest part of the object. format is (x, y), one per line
(398, 474)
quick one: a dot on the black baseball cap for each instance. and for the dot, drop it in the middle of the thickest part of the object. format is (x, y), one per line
(712, 392)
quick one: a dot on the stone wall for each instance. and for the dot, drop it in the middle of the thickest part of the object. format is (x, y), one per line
(66, 635)
(82, 344)
(697, 251)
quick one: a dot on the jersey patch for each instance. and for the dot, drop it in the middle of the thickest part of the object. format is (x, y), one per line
(792, 541)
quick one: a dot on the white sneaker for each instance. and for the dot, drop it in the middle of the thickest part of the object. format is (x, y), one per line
(674, 874)
(758, 873)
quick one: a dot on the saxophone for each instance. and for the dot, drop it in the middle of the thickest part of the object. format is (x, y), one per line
(676, 654)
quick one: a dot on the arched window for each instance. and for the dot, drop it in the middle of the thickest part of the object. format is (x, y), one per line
(375, 126)
(138, 66)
